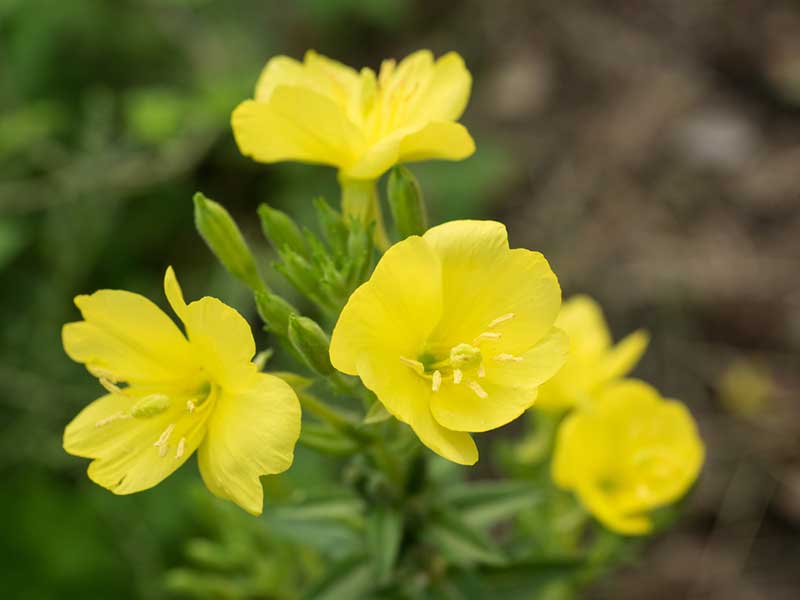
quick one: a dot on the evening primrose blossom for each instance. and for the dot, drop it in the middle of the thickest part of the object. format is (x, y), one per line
(321, 111)
(170, 394)
(593, 358)
(627, 454)
(454, 333)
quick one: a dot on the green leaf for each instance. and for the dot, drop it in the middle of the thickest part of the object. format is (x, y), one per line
(347, 579)
(461, 543)
(384, 534)
(481, 504)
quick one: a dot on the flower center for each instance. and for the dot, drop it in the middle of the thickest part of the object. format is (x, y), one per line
(152, 405)
(463, 363)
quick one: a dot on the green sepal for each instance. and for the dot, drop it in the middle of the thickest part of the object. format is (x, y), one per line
(406, 203)
(221, 234)
(281, 230)
(311, 343)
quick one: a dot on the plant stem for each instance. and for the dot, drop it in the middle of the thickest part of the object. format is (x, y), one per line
(360, 201)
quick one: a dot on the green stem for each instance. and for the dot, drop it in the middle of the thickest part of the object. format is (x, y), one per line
(325, 413)
(360, 201)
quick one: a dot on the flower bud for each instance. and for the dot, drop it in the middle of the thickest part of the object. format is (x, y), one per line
(406, 203)
(281, 230)
(311, 343)
(225, 240)
(274, 311)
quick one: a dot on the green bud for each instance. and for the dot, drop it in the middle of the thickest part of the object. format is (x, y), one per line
(274, 311)
(406, 203)
(332, 225)
(281, 230)
(225, 240)
(311, 343)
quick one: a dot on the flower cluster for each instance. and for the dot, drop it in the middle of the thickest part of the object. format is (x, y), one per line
(452, 333)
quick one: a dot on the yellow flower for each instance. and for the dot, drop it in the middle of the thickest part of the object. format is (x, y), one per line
(593, 360)
(628, 453)
(169, 395)
(321, 111)
(454, 333)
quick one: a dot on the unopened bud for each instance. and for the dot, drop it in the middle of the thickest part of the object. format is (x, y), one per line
(281, 230)
(311, 343)
(225, 240)
(274, 311)
(406, 203)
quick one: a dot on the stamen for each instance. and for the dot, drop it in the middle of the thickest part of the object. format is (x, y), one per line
(501, 319)
(181, 447)
(457, 376)
(110, 387)
(487, 335)
(414, 364)
(162, 441)
(481, 371)
(162, 450)
(504, 357)
(479, 391)
(190, 406)
(151, 405)
(436, 381)
(111, 419)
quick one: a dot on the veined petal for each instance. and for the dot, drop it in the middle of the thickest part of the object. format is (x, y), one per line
(222, 340)
(127, 455)
(296, 124)
(174, 294)
(582, 319)
(279, 70)
(407, 396)
(336, 80)
(252, 432)
(394, 312)
(125, 337)
(447, 94)
(532, 368)
(609, 514)
(622, 358)
(482, 280)
(437, 140)
(462, 408)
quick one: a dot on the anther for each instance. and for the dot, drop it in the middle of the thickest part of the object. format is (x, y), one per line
(414, 364)
(479, 391)
(457, 376)
(436, 381)
(162, 441)
(181, 447)
(190, 406)
(501, 319)
(162, 450)
(481, 371)
(487, 335)
(117, 417)
(508, 357)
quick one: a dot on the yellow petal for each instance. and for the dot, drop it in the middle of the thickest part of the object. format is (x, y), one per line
(172, 290)
(447, 94)
(251, 433)
(455, 446)
(437, 140)
(296, 124)
(605, 510)
(125, 337)
(482, 280)
(461, 408)
(279, 70)
(582, 319)
(536, 366)
(394, 312)
(127, 459)
(222, 341)
(621, 359)
(507, 390)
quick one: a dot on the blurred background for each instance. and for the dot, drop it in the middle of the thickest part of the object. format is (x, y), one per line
(650, 149)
